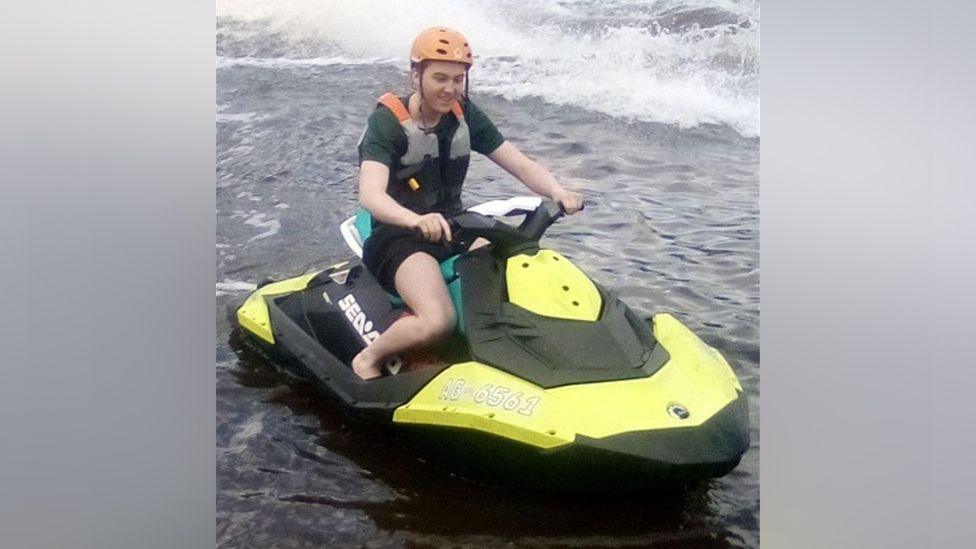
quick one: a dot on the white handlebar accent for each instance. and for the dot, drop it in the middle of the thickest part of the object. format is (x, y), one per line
(494, 208)
(512, 206)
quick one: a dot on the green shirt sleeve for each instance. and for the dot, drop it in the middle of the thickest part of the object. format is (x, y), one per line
(382, 138)
(485, 137)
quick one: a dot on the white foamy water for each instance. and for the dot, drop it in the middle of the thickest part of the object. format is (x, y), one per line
(235, 286)
(685, 63)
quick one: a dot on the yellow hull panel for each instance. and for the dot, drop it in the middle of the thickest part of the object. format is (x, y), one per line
(476, 396)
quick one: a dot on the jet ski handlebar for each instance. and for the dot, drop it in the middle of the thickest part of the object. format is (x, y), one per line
(536, 223)
(467, 226)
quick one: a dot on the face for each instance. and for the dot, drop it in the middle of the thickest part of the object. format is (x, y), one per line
(443, 84)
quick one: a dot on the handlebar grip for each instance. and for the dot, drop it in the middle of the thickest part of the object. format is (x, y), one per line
(562, 210)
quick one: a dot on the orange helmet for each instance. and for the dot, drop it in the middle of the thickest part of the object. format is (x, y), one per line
(441, 44)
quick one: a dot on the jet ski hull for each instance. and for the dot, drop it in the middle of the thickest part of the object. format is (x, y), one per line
(683, 420)
(549, 379)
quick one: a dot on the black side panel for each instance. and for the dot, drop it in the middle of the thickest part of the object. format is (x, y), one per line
(317, 333)
(369, 400)
(341, 316)
(551, 352)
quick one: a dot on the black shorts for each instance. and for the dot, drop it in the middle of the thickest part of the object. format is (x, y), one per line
(388, 246)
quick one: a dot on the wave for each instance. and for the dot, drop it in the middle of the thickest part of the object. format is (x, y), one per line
(686, 63)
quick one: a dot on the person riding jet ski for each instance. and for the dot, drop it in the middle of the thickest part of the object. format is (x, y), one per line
(414, 155)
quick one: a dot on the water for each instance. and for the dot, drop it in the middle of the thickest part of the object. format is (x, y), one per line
(663, 141)
(680, 62)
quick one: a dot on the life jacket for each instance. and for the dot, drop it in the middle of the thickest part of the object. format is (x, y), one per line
(422, 181)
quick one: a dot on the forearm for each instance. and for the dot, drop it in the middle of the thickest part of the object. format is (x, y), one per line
(538, 179)
(386, 210)
(526, 170)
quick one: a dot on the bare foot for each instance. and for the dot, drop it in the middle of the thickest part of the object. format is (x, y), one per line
(365, 367)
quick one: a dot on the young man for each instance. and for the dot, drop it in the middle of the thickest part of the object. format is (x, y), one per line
(414, 155)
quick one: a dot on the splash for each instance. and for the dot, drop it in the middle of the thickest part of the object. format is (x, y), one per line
(683, 63)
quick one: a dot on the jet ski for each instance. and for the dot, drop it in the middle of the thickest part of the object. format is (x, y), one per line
(549, 380)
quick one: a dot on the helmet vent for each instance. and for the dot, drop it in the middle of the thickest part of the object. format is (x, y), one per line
(442, 51)
(442, 41)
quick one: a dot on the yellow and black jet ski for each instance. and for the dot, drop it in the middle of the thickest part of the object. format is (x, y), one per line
(549, 380)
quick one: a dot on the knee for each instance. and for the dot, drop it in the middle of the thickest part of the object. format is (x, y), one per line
(439, 325)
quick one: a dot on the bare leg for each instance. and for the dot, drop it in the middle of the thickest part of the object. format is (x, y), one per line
(419, 282)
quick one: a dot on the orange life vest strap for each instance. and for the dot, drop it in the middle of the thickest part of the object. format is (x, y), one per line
(392, 102)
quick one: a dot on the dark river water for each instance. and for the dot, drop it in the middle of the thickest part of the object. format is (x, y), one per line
(672, 223)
